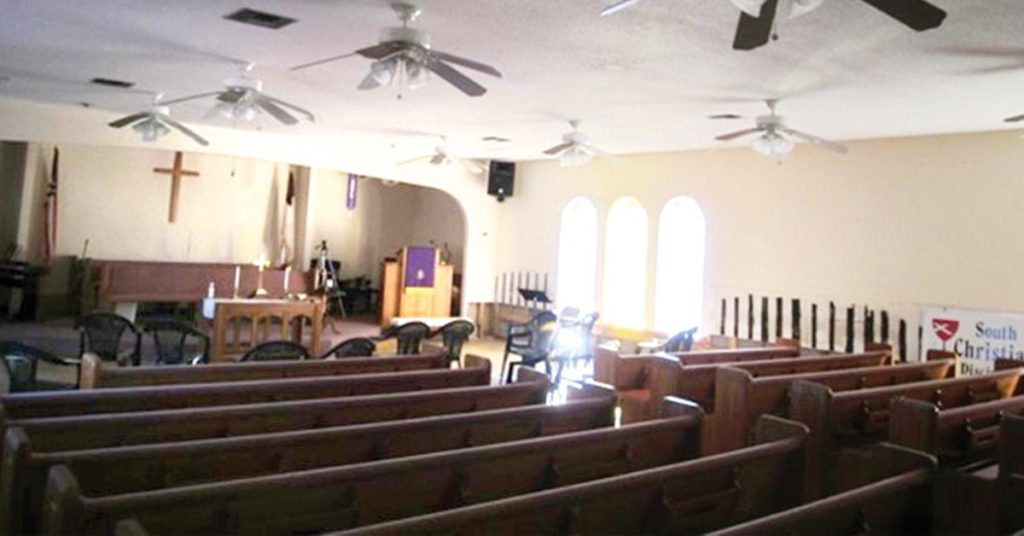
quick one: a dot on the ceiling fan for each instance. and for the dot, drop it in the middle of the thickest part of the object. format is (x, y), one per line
(576, 149)
(772, 141)
(757, 20)
(156, 123)
(243, 97)
(443, 155)
(405, 54)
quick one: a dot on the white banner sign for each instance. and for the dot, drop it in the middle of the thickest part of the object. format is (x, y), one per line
(978, 337)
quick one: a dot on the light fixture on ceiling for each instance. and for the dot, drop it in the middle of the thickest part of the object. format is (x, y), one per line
(156, 123)
(151, 128)
(574, 156)
(773, 145)
(576, 149)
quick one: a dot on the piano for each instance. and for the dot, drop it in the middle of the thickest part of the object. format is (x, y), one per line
(23, 276)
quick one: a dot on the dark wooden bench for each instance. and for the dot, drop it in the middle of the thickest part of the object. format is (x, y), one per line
(840, 422)
(606, 358)
(741, 397)
(642, 381)
(154, 466)
(354, 495)
(894, 501)
(691, 497)
(1011, 473)
(94, 374)
(52, 404)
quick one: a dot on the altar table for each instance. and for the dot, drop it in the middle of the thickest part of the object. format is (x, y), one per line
(264, 320)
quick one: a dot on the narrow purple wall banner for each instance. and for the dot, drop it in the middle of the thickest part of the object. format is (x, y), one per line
(353, 187)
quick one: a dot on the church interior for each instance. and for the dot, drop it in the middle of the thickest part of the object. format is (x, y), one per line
(492, 267)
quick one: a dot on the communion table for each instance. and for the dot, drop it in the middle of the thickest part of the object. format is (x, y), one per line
(240, 324)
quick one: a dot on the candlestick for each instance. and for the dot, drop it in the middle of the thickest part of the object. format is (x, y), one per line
(262, 264)
(287, 275)
(238, 276)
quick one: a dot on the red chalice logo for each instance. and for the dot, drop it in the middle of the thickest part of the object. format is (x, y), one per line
(945, 329)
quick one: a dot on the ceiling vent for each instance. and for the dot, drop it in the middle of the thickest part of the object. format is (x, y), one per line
(120, 84)
(496, 139)
(260, 18)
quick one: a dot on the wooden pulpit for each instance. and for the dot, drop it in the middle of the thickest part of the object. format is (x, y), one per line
(416, 284)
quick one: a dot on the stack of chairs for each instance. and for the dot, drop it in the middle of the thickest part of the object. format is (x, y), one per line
(723, 443)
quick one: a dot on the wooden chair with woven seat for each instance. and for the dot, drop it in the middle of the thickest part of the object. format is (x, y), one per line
(102, 334)
(20, 363)
(354, 347)
(277, 351)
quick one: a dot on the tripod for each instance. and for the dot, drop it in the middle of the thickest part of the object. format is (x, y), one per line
(327, 284)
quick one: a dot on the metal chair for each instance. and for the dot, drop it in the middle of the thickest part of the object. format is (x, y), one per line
(680, 342)
(531, 341)
(454, 335)
(277, 351)
(355, 347)
(20, 363)
(101, 334)
(171, 339)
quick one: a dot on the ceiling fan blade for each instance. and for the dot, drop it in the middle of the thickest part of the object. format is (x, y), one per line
(471, 165)
(470, 64)
(128, 119)
(368, 83)
(1013, 119)
(414, 160)
(455, 78)
(821, 142)
(188, 98)
(593, 149)
(378, 51)
(231, 96)
(183, 129)
(617, 7)
(738, 134)
(309, 115)
(438, 159)
(917, 14)
(274, 110)
(558, 148)
(753, 32)
(323, 61)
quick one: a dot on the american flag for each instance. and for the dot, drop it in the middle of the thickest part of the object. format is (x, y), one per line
(49, 245)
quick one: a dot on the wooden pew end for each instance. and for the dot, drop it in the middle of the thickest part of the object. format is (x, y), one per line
(588, 389)
(89, 371)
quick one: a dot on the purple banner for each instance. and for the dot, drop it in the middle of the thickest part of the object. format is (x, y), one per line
(419, 267)
(353, 187)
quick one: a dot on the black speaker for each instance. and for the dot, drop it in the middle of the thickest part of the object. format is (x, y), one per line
(501, 179)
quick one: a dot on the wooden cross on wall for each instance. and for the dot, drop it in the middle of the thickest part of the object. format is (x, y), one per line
(176, 173)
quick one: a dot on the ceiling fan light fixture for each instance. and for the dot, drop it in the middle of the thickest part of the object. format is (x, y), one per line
(383, 71)
(574, 156)
(151, 129)
(417, 75)
(772, 145)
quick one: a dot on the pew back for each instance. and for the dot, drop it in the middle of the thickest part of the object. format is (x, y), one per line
(51, 404)
(686, 498)
(740, 397)
(94, 374)
(347, 496)
(155, 466)
(1011, 472)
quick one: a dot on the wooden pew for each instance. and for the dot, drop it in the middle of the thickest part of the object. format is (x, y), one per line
(94, 374)
(1011, 473)
(740, 397)
(967, 442)
(53, 434)
(691, 497)
(52, 404)
(346, 496)
(606, 357)
(842, 421)
(894, 501)
(155, 466)
(641, 381)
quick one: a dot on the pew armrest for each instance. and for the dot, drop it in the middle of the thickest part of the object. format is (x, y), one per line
(89, 372)
(588, 389)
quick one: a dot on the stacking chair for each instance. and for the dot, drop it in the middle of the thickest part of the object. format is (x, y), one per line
(171, 337)
(454, 335)
(277, 351)
(354, 347)
(410, 336)
(531, 341)
(102, 334)
(680, 342)
(20, 363)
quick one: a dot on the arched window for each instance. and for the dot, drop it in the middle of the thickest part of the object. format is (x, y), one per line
(625, 264)
(679, 293)
(577, 256)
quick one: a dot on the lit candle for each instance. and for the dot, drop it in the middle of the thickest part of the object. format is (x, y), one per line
(287, 274)
(238, 277)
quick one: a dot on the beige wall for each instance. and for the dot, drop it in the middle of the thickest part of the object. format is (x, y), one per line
(895, 224)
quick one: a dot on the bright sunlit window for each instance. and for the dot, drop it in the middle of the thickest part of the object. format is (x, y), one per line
(679, 292)
(577, 256)
(625, 266)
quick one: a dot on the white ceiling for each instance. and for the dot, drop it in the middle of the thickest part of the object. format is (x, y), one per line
(641, 81)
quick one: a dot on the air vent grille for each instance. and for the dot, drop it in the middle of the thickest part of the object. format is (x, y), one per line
(260, 18)
(109, 82)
